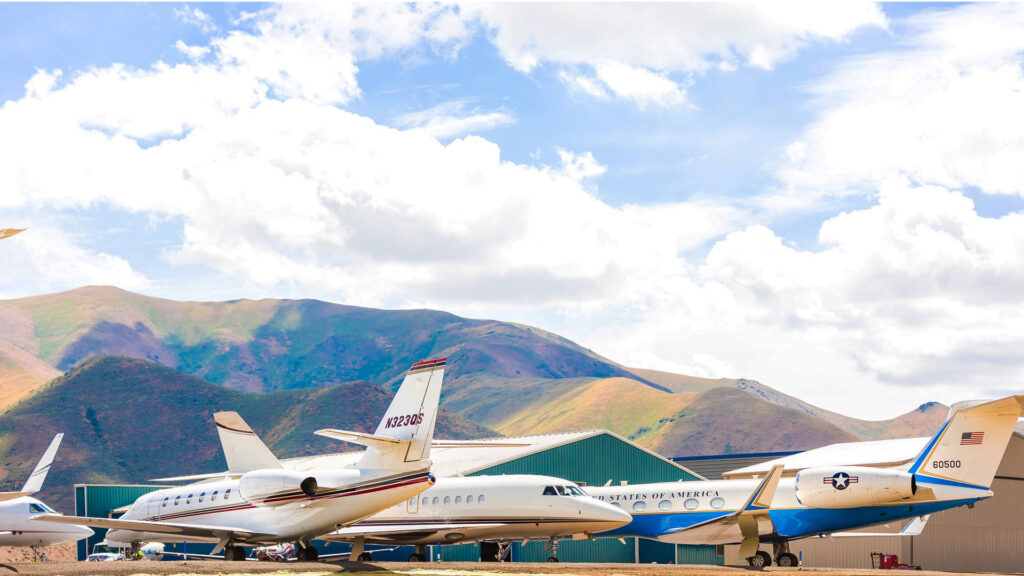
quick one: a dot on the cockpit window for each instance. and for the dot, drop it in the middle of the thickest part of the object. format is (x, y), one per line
(550, 491)
(561, 490)
(38, 508)
(575, 491)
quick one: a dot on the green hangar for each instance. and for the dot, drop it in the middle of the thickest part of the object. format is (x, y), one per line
(590, 458)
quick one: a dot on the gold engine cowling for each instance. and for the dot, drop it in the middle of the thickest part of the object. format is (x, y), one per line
(850, 486)
(275, 487)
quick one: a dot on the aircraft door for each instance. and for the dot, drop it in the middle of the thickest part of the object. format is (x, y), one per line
(413, 505)
(153, 508)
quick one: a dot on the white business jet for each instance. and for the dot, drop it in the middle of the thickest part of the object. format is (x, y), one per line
(486, 508)
(258, 502)
(17, 508)
(955, 468)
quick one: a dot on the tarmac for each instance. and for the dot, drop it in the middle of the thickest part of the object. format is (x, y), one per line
(142, 568)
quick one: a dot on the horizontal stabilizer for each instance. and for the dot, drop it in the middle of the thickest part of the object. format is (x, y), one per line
(361, 438)
(4, 496)
(913, 528)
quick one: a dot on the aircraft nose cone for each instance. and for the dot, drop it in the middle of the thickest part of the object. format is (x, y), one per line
(610, 516)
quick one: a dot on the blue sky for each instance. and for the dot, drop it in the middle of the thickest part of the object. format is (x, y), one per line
(782, 192)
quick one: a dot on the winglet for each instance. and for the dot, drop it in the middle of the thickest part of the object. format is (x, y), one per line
(243, 449)
(762, 497)
(35, 480)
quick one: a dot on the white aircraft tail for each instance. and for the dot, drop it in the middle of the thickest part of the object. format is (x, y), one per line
(35, 480)
(243, 449)
(968, 448)
(404, 436)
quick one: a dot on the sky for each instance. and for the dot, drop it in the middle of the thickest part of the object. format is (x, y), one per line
(824, 197)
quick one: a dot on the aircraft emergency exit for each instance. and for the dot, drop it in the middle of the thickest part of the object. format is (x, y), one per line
(18, 508)
(955, 468)
(259, 502)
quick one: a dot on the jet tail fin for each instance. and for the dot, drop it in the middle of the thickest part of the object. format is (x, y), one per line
(243, 449)
(968, 448)
(35, 480)
(404, 436)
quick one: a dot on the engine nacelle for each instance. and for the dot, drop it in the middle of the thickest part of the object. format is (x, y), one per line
(272, 487)
(848, 486)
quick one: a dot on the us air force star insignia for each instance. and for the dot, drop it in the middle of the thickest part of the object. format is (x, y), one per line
(840, 480)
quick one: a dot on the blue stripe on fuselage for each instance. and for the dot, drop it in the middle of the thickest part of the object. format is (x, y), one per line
(789, 523)
(654, 525)
(795, 523)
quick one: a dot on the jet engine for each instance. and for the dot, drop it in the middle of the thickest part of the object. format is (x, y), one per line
(275, 487)
(849, 486)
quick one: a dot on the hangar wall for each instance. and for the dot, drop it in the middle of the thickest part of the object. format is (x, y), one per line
(987, 538)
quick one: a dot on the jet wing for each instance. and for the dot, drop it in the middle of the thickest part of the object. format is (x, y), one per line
(219, 533)
(399, 532)
(744, 525)
(4, 496)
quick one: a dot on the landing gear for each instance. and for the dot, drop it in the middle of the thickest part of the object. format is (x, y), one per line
(760, 560)
(503, 548)
(307, 553)
(783, 557)
(234, 554)
(552, 546)
(419, 555)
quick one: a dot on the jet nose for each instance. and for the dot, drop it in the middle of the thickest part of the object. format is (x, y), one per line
(610, 517)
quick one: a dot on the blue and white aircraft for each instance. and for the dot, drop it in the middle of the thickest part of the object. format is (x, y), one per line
(955, 468)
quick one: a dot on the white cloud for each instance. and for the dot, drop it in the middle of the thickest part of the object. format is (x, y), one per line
(946, 107)
(47, 259)
(452, 118)
(192, 52)
(196, 17)
(633, 47)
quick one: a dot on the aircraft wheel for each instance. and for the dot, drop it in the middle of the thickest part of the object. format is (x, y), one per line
(786, 560)
(552, 559)
(234, 554)
(761, 559)
(365, 557)
(417, 558)
(308, 554)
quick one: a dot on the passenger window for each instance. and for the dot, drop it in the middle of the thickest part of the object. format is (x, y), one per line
(164, 505)
(469, 499)
(691, 504)
(435, 501)
(458, 499)
(717, 502)
(480, 499)
(447, 500)
(201, 496)
(426, 501)
(189, 499)
(227, 493)
(549, 491)
(213, 496)
(177, 499)
(616, 504)
(664, 505)
(639, 505)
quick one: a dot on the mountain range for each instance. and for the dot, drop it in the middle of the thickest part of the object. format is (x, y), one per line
(133, 380)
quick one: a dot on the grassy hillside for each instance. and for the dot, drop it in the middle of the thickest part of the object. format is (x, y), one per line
(268, 345)
(129, 420)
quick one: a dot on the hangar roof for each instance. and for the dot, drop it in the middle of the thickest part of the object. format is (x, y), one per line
(475, 455)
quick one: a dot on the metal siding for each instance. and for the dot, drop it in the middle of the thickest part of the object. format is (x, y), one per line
(593, 461)
(654, 552)
(459, 552)
(687, 554)
(98, 501)
(603, 550)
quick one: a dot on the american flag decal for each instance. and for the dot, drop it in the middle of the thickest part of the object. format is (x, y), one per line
(971, 438)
